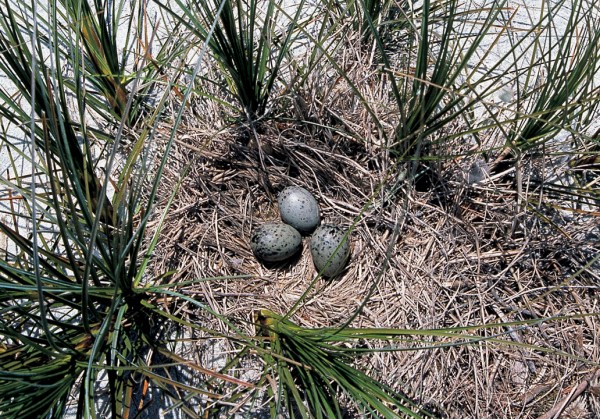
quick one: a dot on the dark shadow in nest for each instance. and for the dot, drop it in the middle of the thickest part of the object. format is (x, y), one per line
(427, 179)
(286, 264)
(238, 156)
(431, 183)
(350, 147)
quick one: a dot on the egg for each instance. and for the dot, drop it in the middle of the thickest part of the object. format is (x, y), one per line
(299, 208)
(275, 242)
(323, 245)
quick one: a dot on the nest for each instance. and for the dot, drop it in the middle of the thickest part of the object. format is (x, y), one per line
(453, 254)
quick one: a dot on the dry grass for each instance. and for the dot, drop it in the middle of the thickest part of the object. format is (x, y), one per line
(466, 254)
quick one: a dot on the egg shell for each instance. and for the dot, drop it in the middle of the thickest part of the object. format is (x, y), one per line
(323, 244)
(299, 208)
(275, 242)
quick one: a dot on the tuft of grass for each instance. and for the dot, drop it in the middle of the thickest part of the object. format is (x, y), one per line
(248, 40)
(74, 308)
(433, 85)
(314, 374)
(558, 92)
(96, 25)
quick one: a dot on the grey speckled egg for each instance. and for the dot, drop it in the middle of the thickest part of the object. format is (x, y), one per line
(323, 244)
(275, 242)
(299, 208)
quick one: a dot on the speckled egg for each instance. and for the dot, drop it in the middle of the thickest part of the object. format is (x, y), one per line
(275, 242)
(323, 244)
(299, 208)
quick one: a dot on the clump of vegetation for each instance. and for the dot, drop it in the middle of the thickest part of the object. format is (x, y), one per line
(456, 143)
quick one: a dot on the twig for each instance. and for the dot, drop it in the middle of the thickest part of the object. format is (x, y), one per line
(557, 410)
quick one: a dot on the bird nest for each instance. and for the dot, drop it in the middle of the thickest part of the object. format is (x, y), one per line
(432, 247)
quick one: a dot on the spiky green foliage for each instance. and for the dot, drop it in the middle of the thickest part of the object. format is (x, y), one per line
(314, 373)
(71, 301)
(249, 41)
(449, 73)
(54, 131)
(558, 91)
(437, 91)
(110, 50)
(105, 69)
